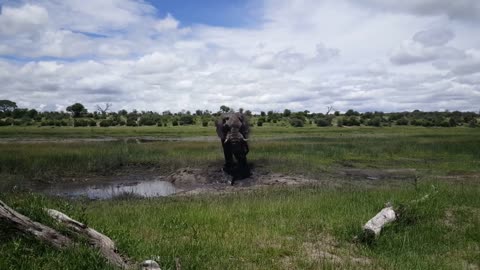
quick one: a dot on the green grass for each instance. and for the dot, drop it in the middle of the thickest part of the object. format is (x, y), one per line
(309, 151)
(269, 229)
(275, 228)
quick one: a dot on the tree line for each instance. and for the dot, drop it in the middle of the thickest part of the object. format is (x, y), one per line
(77, 115)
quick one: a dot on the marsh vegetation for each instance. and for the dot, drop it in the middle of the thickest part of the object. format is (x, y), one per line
(277, 226)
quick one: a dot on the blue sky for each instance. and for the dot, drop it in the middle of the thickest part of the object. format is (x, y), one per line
(258, 54)
(226, 13)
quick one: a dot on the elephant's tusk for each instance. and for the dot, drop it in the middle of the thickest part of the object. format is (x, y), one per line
(226, 140)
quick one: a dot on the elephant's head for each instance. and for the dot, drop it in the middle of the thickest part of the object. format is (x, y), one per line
(232, 128)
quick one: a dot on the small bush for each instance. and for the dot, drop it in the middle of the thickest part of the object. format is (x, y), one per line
(452, 122)
(473, 123)
(375, 122)
(323, 122)
(416, 122)
(145, 121)
(131, 122)
(106, 123)
(402, 121)
(3, 123)
(259, 123)
(81, 123)
(297, 122)
(186, 120)
(205, 123)
(350, 121)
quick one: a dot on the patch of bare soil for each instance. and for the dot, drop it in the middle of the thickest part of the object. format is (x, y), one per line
(212, 179)
(328, 251)
(460, 177)
(379, 174)
(192, 181)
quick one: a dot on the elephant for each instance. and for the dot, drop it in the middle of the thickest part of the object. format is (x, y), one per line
(233, 129)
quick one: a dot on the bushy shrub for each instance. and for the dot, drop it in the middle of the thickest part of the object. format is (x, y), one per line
(175, 123)
(186, 120)
(205, 123)
(259, 123)
(131, 122)
(147, 121)
(416, 122)
(375, 122)
(4, 123)
(323, 122)
(80, 123)
(402, 121)
(452, 122)
(350, 121)
(473, 123)
(297, 122)
(445, 124)
(106, 123)
(92, 123)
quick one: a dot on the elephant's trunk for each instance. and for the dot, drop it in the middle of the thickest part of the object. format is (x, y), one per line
(234, 135)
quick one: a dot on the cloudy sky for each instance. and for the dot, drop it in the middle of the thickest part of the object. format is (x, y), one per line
(161, 55)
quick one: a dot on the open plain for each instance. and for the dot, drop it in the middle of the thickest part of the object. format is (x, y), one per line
(311, 191)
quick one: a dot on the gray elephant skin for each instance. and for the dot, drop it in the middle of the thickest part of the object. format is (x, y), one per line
(233, 130)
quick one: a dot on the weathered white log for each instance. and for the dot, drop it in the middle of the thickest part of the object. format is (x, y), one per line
(46, 234)
(374, 226)
(102, 242)
(149, 265)
(40, 231)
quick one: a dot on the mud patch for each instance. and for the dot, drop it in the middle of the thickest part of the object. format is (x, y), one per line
(210, 180)
(328, 251)
(190, 181)
(378, 174)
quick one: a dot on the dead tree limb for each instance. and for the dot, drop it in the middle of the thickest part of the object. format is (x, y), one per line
(329, 109)
(389, 214)
(48, 235)
(104, 110)
(102, 242)
(374, 226)
(27, 226)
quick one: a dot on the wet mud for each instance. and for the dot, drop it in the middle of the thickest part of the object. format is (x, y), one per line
(213, 180)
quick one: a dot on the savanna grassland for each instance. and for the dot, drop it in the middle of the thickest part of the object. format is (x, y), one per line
(306, 227)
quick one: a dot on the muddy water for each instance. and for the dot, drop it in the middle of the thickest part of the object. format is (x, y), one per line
(102, 191)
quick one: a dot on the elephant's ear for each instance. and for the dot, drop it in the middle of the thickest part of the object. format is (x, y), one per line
(245, 129)
(220, 128)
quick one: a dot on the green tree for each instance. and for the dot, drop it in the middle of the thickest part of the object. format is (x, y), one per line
(225, 109)
(352, 113)
(76, 109)
(7, 105)
(32, 113)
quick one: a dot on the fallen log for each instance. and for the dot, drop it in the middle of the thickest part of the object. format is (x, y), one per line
(102, 242)
(48, 235)
(374, 226)
(28, 226)
(389, 214)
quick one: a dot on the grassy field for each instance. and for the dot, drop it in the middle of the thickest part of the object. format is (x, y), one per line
(307, 151)
(277, 228)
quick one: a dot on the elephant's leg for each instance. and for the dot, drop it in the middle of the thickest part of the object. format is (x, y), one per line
(227, 152)
(243, 168)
